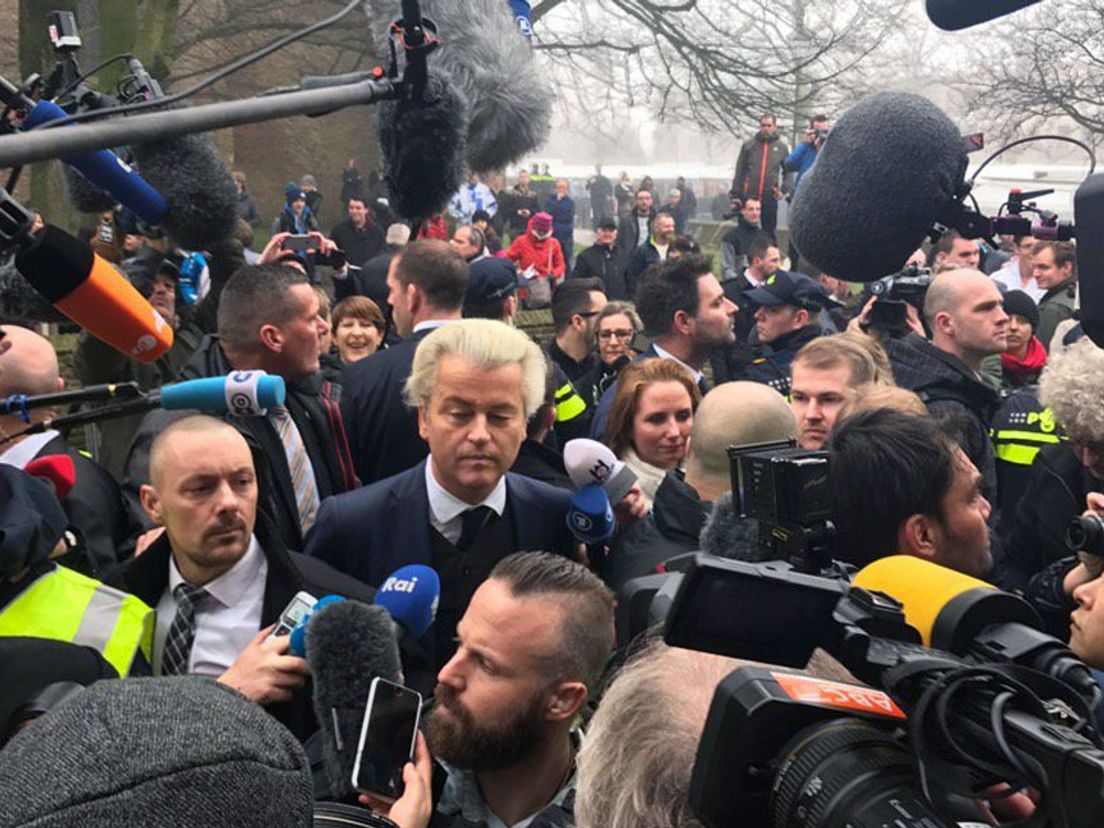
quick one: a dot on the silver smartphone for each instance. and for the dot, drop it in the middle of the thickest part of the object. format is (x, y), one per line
(293, 613)
(387, 737)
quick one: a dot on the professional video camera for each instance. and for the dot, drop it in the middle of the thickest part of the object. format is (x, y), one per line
(785, 488)
(965, 695)
(894, 293)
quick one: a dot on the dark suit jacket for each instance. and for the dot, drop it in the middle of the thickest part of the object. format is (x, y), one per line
(383, 431)
(97, 512)
(371, 532)
(288, 572)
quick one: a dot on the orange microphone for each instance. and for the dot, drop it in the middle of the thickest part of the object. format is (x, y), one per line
(88, 290)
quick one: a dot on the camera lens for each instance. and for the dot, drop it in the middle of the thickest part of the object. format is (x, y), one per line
(847, 772)
(1086, 534)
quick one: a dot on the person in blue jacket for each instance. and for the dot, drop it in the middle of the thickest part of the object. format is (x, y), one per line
(562, 209)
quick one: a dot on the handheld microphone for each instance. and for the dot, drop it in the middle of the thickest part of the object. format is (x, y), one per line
(93, 294)
(56, 470)
(243, 393)
(410, 595)
(348, 645)
(590, 515)
(968, 617)
(21, 403)
(588, 461)
(105, 170)
(952, 15)
(859, 214)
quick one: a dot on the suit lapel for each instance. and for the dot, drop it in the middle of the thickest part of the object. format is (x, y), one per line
(408, 508)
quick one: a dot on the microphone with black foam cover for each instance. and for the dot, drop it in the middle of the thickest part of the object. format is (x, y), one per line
(88, 290)
(348, 645)
(968, 617)
(952, 15)
(422, 144)
(892, 167)
(1088, 217)
(202, 198)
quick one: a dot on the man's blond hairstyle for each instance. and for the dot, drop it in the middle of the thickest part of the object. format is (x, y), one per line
(485, 343)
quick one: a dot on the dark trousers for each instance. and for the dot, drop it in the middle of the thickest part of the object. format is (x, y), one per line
(567, 244)
(769, 219)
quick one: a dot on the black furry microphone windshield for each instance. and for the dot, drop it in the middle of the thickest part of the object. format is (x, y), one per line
(887, 172)
(19, 301)
(85, 196)
(197, 185)
(489, 62)
(422, 143)
(348, 645)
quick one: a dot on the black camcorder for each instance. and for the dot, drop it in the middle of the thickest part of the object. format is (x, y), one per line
(894, 293)
(785, 488)
(979, 699)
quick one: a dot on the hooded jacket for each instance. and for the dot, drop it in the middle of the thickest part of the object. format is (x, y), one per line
(544, 255)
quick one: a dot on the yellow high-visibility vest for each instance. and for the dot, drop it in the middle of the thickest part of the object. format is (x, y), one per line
(64, 605)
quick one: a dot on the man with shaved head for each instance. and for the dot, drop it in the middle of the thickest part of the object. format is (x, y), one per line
(964, 312)
(99, 521)
(219, 576)
(735, 413)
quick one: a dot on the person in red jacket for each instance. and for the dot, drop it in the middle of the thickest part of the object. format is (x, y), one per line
(538, 256)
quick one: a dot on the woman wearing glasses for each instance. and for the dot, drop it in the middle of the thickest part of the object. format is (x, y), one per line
(615, 329)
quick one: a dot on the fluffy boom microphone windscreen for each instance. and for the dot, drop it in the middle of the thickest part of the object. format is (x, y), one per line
(197, 184)
(888, 171)
(422, 144)
(493, 66)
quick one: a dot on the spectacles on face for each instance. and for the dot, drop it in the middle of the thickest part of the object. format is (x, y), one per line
(619, 333)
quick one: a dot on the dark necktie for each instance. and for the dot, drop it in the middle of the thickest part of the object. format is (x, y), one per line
(178, 644)
(472, 523)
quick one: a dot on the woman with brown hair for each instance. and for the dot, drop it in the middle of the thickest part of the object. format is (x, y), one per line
(358, 328)
(650, 419)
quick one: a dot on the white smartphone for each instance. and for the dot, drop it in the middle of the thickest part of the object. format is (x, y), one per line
(293, 613)
(386, 739)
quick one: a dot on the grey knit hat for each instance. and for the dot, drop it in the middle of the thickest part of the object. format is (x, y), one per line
(178, 752)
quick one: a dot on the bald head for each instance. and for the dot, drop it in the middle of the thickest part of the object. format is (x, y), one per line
(733, 414)
(173, 446)
(965, 313)
(30, 366)
(946, 292)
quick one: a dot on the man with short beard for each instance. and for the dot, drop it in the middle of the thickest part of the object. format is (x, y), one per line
(219, 576)
(531, 645)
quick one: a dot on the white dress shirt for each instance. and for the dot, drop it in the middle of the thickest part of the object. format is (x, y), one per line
(1009, 276)
(22, 452)
(431, 325)
(226, 621)
(446, 509)
(662, 354)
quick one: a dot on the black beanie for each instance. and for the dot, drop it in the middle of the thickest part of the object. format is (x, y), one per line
(1019, 303)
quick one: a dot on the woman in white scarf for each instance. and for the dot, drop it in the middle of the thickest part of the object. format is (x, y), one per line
(650, 420)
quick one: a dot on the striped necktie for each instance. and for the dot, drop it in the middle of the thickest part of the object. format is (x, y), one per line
(178, 643)
(299, 466)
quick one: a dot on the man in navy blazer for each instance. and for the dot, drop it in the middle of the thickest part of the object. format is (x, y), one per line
(427, 282)
(682, 305)
(475, 384)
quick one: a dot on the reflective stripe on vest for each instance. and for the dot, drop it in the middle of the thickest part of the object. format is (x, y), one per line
(64, 605)
(569, 404)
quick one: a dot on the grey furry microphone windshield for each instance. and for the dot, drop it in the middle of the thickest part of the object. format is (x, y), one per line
(887, 172)
(486, 59)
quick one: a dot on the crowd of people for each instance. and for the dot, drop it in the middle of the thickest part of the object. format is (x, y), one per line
(422, 426)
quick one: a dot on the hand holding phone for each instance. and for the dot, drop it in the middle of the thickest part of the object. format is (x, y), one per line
(415, 807)
(293, 613)
(387, 738)
(298, 243)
